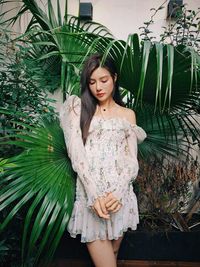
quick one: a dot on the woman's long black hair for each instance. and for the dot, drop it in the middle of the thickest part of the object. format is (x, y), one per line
(88, 101)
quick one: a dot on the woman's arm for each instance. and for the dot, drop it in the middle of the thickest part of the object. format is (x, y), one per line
(70, 123)
(135, 135)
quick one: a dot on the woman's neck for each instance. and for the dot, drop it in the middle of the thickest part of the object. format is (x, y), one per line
(107, 104)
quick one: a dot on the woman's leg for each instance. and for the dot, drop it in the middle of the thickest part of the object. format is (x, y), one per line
(116, 245)
(102, 254)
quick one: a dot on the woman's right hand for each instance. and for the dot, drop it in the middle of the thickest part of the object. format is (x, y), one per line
(112, 203)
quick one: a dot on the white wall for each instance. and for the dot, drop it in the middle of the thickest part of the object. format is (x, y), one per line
(125, 17)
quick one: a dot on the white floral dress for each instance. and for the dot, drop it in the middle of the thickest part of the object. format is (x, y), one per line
(107, 163)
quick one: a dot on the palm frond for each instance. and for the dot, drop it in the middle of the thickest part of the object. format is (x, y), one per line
(43, 175)
(162, 82)
(168, 135)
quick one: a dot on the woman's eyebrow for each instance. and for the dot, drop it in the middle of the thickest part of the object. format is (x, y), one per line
(105, 76)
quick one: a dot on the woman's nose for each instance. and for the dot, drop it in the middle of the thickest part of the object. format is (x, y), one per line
(98, 86)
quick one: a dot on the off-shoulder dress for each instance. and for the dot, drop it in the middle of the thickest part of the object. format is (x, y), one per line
(107, 163)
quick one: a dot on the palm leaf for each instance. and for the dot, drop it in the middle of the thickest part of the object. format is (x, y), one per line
(165, 136)
(42, 174)
(162, 81)
(64, 43)
(154, 72)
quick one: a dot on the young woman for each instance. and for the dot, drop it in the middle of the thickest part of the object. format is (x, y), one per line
(101, 136)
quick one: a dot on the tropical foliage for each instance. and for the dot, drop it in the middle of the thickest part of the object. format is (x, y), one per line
(23, 90)
(160, 81)
(60, 43)
(43, 175)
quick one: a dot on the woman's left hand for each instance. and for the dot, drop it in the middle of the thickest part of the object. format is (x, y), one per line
(100, 209)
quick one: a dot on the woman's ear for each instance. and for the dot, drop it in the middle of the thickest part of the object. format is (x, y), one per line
(115, 77)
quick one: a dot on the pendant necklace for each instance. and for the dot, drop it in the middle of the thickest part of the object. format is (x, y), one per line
(105, 109)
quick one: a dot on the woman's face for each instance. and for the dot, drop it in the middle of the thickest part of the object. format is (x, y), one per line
(101, 84)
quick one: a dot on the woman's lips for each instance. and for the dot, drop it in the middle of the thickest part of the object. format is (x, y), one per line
(100, 94)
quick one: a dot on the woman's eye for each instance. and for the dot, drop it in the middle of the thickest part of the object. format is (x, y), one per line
(91, 82)
(104, 81)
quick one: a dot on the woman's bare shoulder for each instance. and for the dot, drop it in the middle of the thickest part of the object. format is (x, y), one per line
(128, 114)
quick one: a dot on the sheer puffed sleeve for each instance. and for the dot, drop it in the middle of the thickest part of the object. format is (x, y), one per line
(134, 136)
(70, 123)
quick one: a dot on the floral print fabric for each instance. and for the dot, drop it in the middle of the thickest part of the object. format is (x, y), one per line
(107, 163)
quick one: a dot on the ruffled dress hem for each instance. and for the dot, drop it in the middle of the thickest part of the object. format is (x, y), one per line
(84, 240)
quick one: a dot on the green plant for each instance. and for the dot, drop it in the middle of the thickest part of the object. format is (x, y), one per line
(22, 89)
(60, 44)
(43, 177)
(4, 163)
(184, 29)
